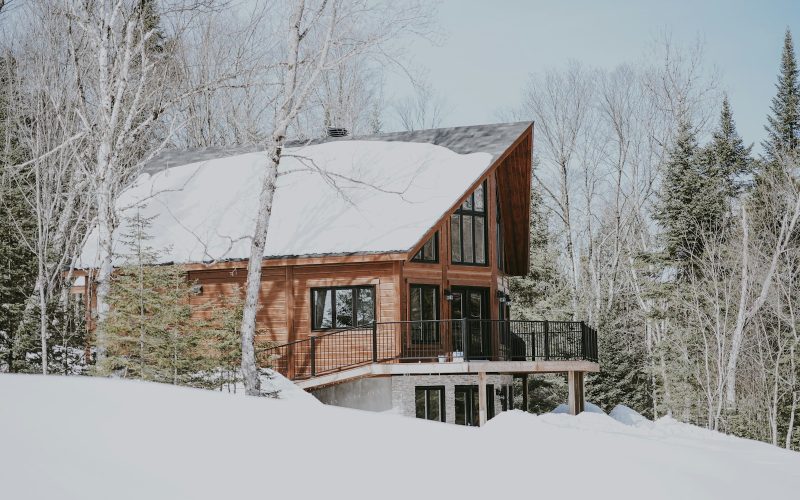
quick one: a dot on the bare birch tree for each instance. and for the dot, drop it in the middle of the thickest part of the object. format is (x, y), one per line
(560, 104)
(317, 38)
(53, 182)
(423, 109)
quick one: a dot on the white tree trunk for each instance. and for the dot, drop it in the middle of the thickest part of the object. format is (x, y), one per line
(250, 376)
(105, 229)
(43, 322)
(788, 224)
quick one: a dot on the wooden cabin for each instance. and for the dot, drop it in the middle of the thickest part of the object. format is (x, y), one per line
(385, 277)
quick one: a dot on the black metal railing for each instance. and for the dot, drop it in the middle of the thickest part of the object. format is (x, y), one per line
(444, 341)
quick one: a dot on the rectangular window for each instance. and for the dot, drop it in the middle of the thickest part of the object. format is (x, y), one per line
(424, 314)
(430, 403)
(342, 307)
(455, 237)
(429, 251)
(468, 230)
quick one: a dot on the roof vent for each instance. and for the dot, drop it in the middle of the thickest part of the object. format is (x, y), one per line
(337, 132)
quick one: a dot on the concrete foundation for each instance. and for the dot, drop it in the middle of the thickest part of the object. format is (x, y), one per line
(370, 394)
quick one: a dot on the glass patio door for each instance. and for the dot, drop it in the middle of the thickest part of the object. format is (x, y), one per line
(471, 304)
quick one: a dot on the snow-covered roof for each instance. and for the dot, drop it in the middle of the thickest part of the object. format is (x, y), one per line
(374, 194)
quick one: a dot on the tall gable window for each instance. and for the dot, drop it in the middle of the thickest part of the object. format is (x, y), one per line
(342, 307)
(429, 251)
(468, 230)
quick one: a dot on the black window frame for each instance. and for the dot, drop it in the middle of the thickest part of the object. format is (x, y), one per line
(471, 404)
(499, 244)
(442, 403)
(415, 333)
(471, 212)
(418, 257)
(333, 289)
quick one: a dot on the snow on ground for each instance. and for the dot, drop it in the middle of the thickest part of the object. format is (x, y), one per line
(587, 407)
(90, 438)
(375, 196)
(627, 416)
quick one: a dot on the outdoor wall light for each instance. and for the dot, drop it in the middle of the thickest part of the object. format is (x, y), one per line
(448, 294)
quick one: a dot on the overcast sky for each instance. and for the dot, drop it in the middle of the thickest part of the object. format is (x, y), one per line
(491, 47)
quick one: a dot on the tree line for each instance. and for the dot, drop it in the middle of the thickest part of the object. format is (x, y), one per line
(655, 220)
(652, 218)
(92, 91)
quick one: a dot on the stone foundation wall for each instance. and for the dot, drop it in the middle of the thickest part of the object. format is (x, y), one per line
(403, 391)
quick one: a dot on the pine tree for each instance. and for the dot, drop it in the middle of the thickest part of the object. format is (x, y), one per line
(728, 159)
(156, 331)
(152, 331)
(783, 125)
(17, 261)
(690, 200)
(224, 348)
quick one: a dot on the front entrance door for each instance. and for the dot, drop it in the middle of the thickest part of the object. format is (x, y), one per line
(467, 404)
(471, 304)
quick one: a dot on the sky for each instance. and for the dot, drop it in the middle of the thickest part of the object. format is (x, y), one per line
(490, 48)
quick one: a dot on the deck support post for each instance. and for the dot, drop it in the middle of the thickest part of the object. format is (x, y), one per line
(524, 392)
(575, 383)
(481, 398)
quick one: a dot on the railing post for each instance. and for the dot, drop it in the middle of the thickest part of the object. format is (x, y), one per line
(546, 341)
(584, 345)
(464, 339)
(313, 356)
(374, 342)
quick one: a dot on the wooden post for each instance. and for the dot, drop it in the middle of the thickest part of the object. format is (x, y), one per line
(575, 383)
(481, 398)
(525, 392)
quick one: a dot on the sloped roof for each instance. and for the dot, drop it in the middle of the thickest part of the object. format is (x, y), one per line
(371, 194)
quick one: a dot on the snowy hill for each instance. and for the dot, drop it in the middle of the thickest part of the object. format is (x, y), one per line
(97, 438)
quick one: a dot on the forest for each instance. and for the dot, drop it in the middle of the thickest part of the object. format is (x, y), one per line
(652, 218)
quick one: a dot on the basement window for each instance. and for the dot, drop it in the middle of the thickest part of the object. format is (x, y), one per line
(342, 307)
(429, 402)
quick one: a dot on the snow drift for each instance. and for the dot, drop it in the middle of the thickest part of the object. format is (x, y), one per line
(97, 438)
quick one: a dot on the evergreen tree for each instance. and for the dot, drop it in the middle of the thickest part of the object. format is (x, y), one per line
(783, 125)
(728, 159)
(224, 347)
(17, 272)
(17, 261)
(150, 327)
(624, 378)
(157, 332)
(690, 200)
(781, 147)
